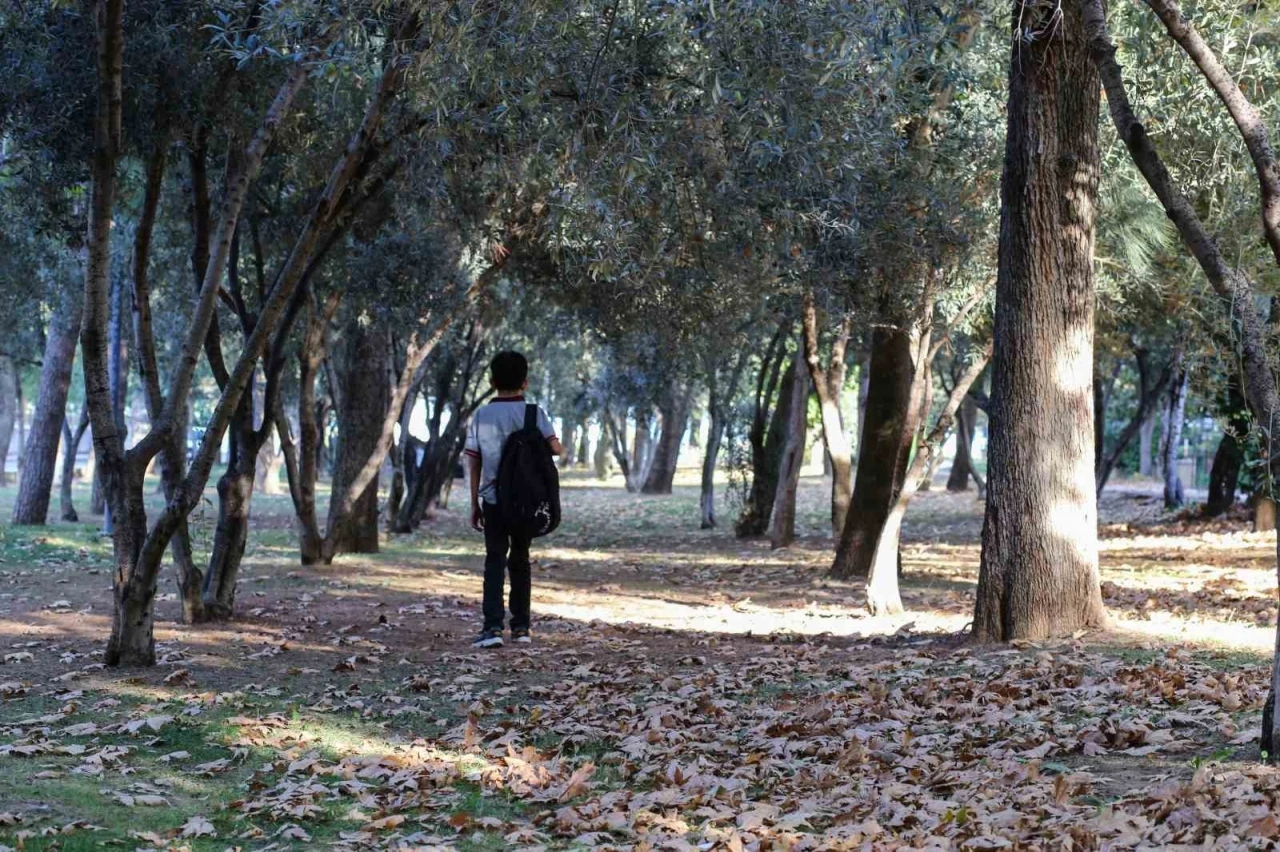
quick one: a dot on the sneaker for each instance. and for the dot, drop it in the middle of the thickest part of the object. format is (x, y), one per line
(522, 636)
(488, 639)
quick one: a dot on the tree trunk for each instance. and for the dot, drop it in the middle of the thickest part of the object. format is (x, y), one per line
(1175, 413)
(569, 440)
(666, 453)
(1224, 475)
(1145, 435)
(962, 465)
(766, 464)
(118, 373)
(888, 427)
(1264, 514)
(710, 457)
(828, 383)
(584, 444)
(235, 495)
(361, 411)
(600, 457)
(641, 449)
(8, 412)
(1150, 389)
(1039, 569)
(39, 463)
(21, 407)
(71, 448)
(782, 532)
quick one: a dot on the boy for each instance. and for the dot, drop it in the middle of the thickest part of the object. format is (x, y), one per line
(504, 552)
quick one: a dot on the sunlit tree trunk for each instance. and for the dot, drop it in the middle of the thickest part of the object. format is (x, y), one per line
(1039, 566)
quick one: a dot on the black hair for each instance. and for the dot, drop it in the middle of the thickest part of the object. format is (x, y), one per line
(508, 370)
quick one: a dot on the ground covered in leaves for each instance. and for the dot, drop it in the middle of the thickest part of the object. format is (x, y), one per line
(685, 690)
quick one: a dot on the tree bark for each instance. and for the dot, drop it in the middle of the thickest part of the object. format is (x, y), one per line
(883, 594)
(666, 452)
(888, 427)
(828, 383)
(71, 447)
(641, 449)
(962, 468)
(1175, 413)
(8, 412)
(764, 436)
(584, 444)
(31, 506)
(570, 441)
(767, 464)
(1224, 475)
(360, 415)
(1039, 568)
(1145, 443)
(600, 456)
(118, 371)
(782, 532)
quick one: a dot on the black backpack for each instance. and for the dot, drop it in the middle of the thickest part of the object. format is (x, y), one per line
(528, 483)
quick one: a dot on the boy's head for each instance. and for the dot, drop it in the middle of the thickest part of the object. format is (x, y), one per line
(509, 372)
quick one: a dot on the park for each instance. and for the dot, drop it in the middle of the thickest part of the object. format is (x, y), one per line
(910, 372)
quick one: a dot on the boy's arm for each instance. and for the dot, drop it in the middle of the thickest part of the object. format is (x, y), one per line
(557, 448)
(473, 469)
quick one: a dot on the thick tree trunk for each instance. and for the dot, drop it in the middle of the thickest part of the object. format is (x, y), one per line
(40, 461)
(235, 495)
(888, 427)
(1175, 413)
(1146, 434)
(666, 452)
(1039, 568)
(569, 439)
(361, 412)
(782, 531)
(600, 456)
(1224, 475)
(962, 465)
(8, 412)
(584, 444)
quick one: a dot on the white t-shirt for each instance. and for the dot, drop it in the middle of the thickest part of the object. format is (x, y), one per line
(489, 428)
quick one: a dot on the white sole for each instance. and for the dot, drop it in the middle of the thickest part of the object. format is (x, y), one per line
(487, 643)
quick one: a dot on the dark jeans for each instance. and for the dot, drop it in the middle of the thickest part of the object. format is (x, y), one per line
(504, 553)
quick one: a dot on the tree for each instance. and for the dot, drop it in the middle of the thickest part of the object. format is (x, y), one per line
(1233, 289)
(40, 459)
(1039, 569)
(828, 383)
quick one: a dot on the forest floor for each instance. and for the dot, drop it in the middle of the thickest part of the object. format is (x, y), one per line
(685, 690)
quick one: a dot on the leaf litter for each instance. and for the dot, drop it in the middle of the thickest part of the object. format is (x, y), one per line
(334, 720)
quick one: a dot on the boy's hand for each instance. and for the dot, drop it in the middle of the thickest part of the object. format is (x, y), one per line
(477, 517)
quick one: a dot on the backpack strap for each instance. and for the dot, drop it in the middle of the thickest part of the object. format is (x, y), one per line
(530, 416)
